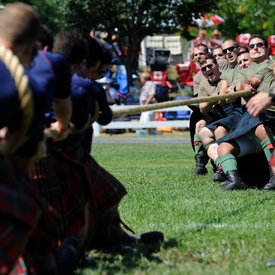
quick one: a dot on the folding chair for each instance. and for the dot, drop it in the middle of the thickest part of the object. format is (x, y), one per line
(185, 72)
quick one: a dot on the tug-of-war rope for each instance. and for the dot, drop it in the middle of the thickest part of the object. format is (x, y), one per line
(168, 104)
(25, 96)
(139, 109)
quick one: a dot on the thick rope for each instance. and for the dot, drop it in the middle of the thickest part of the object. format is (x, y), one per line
(168, 104)
(25, 96)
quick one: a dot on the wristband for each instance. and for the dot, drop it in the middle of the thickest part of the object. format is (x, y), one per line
(271, 96)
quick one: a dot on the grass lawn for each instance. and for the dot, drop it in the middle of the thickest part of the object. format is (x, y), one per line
(207, 231)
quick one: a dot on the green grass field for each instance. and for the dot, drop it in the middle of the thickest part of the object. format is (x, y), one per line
(207, 231)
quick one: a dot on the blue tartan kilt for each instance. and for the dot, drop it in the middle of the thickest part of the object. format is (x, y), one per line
(248, 123)
(229, 122)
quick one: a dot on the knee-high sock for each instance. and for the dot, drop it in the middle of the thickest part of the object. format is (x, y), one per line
(218, 162)
(228, 163)
(199, 149)
(268, 147)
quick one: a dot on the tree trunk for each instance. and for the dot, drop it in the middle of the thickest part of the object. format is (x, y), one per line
(132, 55)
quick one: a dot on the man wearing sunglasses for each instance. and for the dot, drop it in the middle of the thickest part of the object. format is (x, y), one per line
(252, 135)
(214, 112)
(230, 49)
(209, 87)
(228, 67)
(197, 119)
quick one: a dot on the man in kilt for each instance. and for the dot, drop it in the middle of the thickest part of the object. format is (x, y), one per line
(27, 223)
(197, 119)
(253, 135)
(67, 193)
(221, 127)
(90, 104)
(261, 102)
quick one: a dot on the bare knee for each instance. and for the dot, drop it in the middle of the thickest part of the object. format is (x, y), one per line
(220, 132)
(199, 125)
(262, 132)
(228, 148)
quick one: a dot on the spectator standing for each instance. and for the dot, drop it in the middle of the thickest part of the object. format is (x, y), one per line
(147, 94)
(215, 39)
(200, 39)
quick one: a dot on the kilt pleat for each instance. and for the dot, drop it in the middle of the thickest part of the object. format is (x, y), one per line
(75, 190)
(44, 177)
(106, 190)
(229, 122)
(19, 216)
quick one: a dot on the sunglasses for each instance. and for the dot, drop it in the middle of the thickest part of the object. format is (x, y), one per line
(229, 49)
(258, 45)
(209, 66)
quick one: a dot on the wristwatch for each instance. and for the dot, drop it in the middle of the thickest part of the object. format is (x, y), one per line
(272, 96)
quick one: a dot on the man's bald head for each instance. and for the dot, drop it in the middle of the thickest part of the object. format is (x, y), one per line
(19, 24)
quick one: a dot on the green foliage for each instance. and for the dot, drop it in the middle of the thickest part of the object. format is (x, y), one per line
(247, 16)
(207, 231)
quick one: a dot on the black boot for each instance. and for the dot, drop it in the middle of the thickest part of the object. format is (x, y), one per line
(219, 176)
(201, 161)
(67, 256)
(271, 183)
(234, 181)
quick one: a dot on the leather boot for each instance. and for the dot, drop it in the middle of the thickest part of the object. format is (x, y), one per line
(271, 183)
(234, 181)
(219, 176)
(201, 162)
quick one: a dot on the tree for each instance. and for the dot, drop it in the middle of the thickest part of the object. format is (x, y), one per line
(134, 19)
(48, 10)
(247, 16)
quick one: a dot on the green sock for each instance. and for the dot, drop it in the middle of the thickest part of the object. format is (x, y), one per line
(208, 145)
(268, 147)
(197, 144)
(217, 161)
(228, 163)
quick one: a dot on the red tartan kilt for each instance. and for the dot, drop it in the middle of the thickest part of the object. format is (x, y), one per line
(44, 177)
(106, 190)
(75, 190)
(19, 215)
(27, 223)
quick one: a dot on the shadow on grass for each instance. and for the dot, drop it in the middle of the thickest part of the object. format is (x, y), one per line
(111, 264)
(202, 226)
